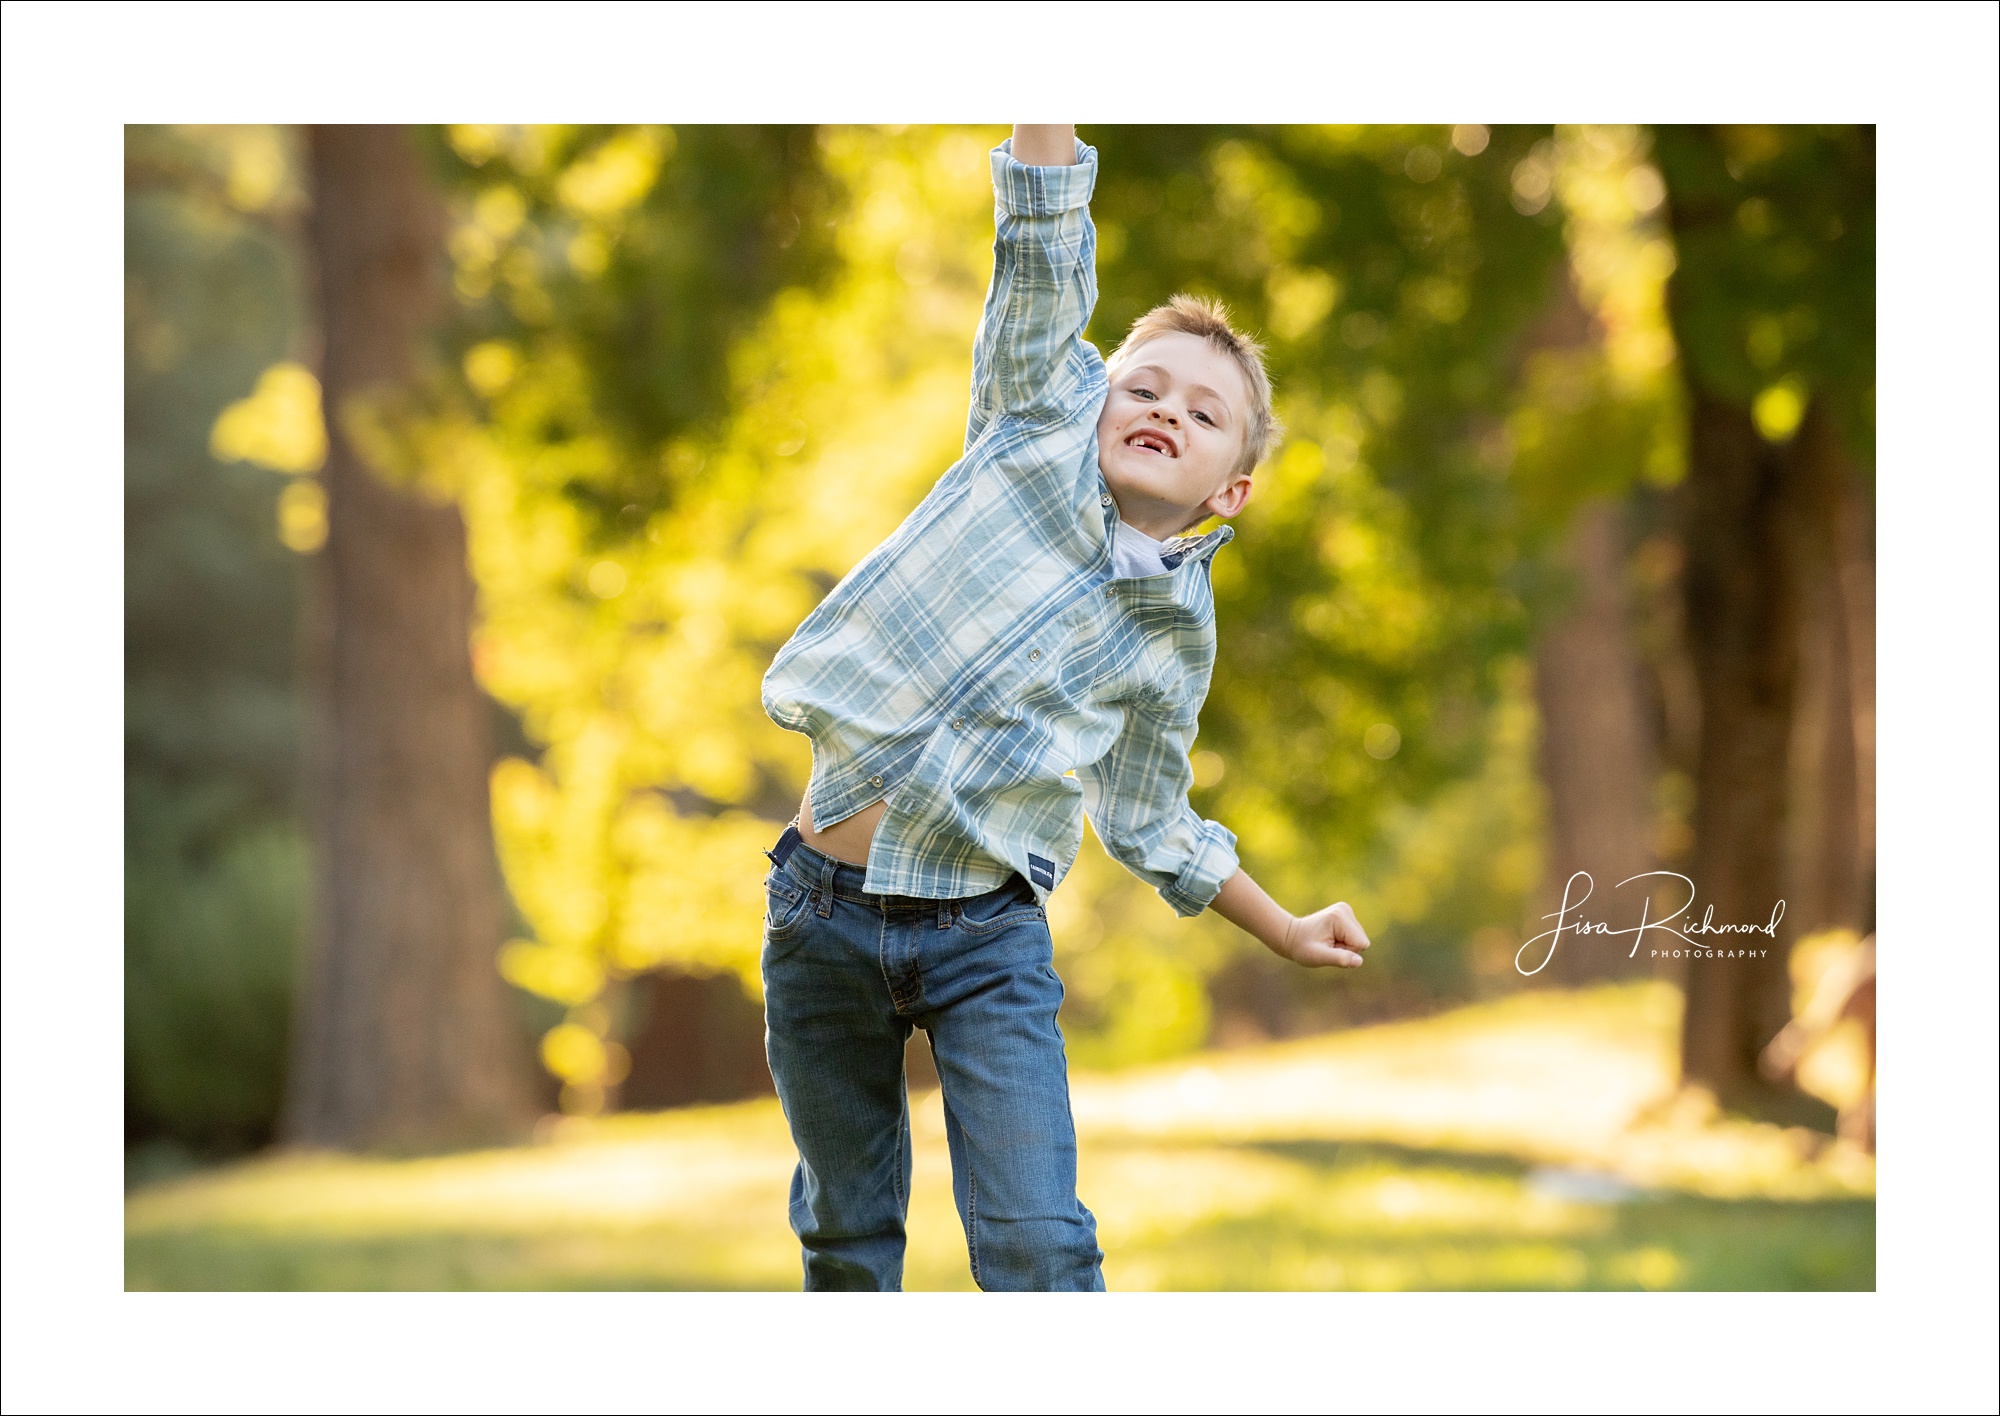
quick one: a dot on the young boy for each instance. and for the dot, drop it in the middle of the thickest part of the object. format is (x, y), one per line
(1033, 643)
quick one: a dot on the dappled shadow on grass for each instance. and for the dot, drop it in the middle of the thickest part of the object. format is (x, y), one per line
(1331, 1155)
(1188, 1214)
(222, 1260)
(1535, 1143)
(1355, 1215)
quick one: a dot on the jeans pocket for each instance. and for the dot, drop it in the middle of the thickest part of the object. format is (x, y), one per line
(785, 905)
(1010, 905)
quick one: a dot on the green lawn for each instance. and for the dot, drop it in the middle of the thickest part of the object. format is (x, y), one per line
(1531, 1143)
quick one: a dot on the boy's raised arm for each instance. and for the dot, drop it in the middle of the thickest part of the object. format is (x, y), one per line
(1045, 144)
(1029, 359)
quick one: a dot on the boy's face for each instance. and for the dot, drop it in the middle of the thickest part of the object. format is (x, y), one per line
(1171, 434)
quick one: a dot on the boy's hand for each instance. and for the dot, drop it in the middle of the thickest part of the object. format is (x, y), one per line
(1333, 936)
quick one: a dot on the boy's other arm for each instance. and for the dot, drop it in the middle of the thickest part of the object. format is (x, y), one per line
(1332, 936)
(1045, 144)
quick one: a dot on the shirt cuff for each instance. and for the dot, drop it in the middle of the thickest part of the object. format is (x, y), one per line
(1043, 191)
(1201, 879)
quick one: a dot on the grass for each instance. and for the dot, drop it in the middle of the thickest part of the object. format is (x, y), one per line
(1532, 1143)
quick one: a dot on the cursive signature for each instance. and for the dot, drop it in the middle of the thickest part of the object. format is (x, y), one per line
(1666, 924)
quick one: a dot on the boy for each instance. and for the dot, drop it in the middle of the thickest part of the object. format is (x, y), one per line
(1039, 614)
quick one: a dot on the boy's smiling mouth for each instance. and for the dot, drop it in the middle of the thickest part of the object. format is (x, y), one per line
(1147, 440)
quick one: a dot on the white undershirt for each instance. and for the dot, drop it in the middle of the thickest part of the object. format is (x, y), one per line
(1135, 555)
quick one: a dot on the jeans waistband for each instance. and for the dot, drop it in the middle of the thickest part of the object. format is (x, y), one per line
(817, 870)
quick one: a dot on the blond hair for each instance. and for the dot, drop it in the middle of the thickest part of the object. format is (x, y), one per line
(1209, 319)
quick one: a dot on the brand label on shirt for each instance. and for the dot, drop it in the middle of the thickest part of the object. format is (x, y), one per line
(1041, 872)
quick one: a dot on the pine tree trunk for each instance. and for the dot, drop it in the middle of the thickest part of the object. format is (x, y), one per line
(1854, 539)
(1596, 750)
(1751, 543)
(1827, 872)
(407, 1037)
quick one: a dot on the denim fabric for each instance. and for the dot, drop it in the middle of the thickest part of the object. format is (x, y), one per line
(991, 646)
(847, 975)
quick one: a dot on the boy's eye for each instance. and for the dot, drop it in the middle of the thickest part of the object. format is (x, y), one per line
(1204, 418)
(1142, 393)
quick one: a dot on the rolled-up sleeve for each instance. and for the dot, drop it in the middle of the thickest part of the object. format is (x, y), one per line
(1029, 359)
(1136, 798)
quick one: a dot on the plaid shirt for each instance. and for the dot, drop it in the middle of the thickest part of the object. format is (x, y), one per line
(983, 668)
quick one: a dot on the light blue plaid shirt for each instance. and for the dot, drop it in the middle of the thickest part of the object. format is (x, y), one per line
(986, 648)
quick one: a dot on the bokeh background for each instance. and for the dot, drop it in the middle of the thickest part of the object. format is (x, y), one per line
(475, 473)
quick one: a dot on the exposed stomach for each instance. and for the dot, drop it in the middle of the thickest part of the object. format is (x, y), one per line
(847, 840)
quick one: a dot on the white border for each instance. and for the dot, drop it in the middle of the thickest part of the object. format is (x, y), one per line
(74, 74)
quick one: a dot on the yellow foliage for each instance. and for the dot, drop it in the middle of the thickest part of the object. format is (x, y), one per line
(278, 426)
(629, 846)
(1300, 300)
(491, 366)
(559, 974)
(1779, 409)
(618, 174)
(302, 516)
(574, 1053)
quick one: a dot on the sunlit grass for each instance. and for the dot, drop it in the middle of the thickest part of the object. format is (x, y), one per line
(1536, 1142)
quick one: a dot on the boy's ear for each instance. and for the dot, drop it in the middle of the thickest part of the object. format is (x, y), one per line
(1232, 498)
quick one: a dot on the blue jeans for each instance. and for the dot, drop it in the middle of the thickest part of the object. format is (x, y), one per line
(846, 976)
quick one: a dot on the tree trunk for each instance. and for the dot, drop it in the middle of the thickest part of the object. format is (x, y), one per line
(1827, 890)
(1854, 535)
(407, 1037)
(1750, 539)
(1596, 752)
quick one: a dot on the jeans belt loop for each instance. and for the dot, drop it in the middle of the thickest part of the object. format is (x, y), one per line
(944, 914)
(827, 867)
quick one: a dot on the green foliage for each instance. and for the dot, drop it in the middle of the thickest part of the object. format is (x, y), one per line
(632, 645)
(1774, 299)
(1374, 579)
(214, 872)
(618, 267)
(209, 973)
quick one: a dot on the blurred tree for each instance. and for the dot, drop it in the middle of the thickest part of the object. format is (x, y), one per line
(1395, 280)
(1385, 586)
(215, 855)
(652, 372)
(1773, 309)
(406, 1035)
(1595, 434)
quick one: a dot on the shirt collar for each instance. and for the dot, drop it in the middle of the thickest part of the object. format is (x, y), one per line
(1195, 548)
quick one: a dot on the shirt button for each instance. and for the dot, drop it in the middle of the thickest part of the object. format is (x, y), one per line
(958, 724)
(1111, 589)
(875, 781)
(1104, 500)
(1034, 653)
